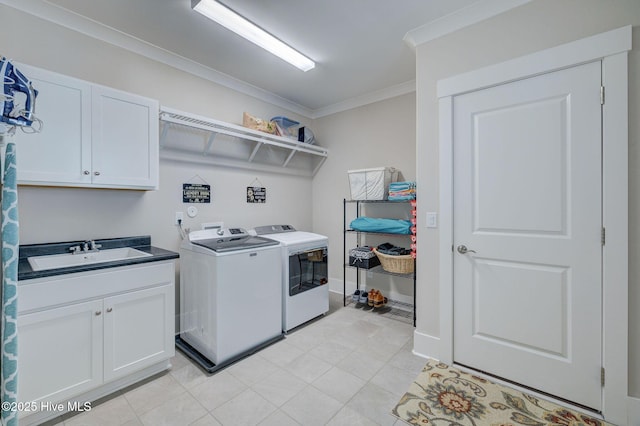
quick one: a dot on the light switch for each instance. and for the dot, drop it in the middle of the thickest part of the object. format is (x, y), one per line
(432, 220)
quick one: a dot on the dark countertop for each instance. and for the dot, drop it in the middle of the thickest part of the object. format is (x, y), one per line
(142, 243)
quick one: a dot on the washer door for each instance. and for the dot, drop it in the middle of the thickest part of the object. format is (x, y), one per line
(307, 270)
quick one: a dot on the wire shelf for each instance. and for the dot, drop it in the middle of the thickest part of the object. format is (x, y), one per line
(393, 309)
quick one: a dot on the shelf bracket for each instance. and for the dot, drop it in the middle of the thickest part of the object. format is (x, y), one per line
(163, 135)
(255, 151)
(291, 154)
(320, 163)
(212, 137)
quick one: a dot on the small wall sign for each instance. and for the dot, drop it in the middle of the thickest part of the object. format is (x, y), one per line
(196, 193)
(256, 194)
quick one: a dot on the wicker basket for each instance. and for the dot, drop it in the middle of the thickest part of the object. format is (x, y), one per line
(397, 264)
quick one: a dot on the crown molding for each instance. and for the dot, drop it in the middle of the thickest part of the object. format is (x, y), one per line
(369, 98)
(91, 28)
(455, 21)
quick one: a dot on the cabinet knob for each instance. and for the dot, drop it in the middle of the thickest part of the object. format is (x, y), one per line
(109, 309)
(96, 173)
(98, 313)
(86, 172)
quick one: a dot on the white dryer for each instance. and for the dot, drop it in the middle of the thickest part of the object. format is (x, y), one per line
(305, 279)
(230, 295)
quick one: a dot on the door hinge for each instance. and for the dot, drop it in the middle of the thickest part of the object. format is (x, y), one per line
(603, 236)
(602, 376)
(601, 95)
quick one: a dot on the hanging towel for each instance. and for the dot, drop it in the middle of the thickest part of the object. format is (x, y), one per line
(10, 247)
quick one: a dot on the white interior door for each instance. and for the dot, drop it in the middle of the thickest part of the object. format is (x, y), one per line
(527, 206)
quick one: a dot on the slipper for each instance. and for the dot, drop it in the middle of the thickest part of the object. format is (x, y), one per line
(372, 296)
(378, 300)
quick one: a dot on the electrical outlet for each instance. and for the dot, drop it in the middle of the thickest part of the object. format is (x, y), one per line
(179, 218)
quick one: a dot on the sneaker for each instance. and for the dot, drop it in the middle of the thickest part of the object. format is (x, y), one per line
(363, 297)
(356, 296)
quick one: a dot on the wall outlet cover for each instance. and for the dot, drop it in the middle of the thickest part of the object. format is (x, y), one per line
(179, 218)
(432, 220)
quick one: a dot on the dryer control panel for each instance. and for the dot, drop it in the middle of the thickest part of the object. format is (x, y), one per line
(221, 234)
(274, 229)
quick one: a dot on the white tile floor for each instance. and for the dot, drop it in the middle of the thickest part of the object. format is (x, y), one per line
(348, 368)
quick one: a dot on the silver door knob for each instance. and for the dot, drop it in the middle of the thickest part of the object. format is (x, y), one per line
(462, 249)
(96, 173)
(98, 313)
(86, 172)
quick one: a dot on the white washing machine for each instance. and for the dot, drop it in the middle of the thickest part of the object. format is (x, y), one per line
(230, 295)
(305, 279)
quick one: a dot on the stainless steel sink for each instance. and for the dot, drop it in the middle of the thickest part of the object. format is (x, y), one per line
(67, 260)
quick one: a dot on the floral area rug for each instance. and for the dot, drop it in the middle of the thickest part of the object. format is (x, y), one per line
(444, 396)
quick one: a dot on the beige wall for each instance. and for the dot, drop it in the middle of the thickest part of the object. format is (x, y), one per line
(60, 214)
(537, 25)
(375, 135)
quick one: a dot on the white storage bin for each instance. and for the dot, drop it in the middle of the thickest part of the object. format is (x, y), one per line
(371, 184)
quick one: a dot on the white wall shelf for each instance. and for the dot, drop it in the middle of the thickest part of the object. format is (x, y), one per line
(192, 138)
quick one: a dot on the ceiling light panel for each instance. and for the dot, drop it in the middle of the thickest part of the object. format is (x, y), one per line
(244, 28)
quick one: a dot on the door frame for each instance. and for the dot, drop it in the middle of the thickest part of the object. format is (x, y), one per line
(611, 48)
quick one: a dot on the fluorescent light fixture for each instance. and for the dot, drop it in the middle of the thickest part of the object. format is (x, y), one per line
(239, 25)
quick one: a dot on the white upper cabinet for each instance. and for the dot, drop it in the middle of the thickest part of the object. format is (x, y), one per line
(124, 139)
(62, 150)
(92, 136)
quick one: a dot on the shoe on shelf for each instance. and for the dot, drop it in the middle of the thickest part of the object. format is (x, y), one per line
(356, 296)
(372, 296)
(363, 297)
(378, 300)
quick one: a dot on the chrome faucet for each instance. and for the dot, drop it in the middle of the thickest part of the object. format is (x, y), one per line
(88, 246)
(93, 246)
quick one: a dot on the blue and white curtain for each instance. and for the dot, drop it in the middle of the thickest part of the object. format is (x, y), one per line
(9, 326)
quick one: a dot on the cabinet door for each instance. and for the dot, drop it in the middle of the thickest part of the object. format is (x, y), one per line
(61, 153)
(60, 352)
(138, 329)
(125, 139)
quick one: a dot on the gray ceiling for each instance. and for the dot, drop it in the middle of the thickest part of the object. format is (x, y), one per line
(357, 45)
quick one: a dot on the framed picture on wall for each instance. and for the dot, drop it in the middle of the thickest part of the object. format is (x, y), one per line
(256, 194)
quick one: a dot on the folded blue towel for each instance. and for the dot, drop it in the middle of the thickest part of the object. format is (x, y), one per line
(401, 197)
(399, 186)
(391, 226)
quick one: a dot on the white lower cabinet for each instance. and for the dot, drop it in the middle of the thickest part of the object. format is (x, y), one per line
(138, 330)
(80, 350)
(60, 352)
